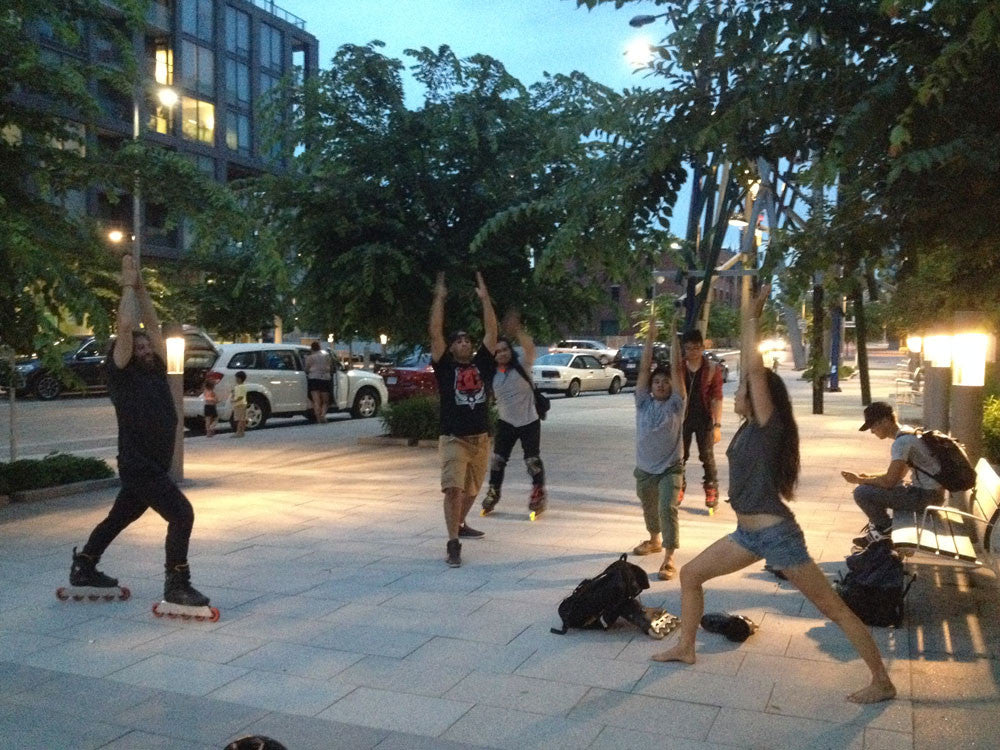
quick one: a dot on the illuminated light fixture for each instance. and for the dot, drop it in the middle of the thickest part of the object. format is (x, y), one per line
(937, 350)
(968, 358)
(914, 343)
(167, 96)
(116, 235)
(383, 339)
(175, 355)
(754, 189)
(675, 246)
(739, 222)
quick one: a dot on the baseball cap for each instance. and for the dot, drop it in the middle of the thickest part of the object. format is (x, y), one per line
(458, 335)
(874, 412)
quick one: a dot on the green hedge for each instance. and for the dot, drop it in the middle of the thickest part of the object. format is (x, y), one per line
(991, 429)
(417, 418)
(54, 469)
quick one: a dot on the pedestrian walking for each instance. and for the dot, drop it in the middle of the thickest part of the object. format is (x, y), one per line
(319, 379)
(518, 418)
(659, 418)
(464, 444)
(703, 420)
(763, 470)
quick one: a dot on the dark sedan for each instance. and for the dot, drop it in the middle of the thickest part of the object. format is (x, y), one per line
(627, 360)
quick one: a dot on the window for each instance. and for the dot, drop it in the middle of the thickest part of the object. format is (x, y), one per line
(196, 18)
(205, 163)
(243, 361)
(237, 32)
(270, 48)
(279, 359)
(197, 68)
(197, 120)
(267, 82)
(238, 132)
(237, 82)
(616, 293)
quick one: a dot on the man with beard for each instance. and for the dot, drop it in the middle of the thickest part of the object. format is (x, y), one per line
(144, 408)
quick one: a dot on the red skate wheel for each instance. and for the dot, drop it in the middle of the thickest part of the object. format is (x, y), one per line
(215, 614)
(95, 597)
(61, 594)
(185, 617)
(124, 594)
(78, 597)
(156, 611)
(108, 597)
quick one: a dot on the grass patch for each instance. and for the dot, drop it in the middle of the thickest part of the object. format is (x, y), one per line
(53, 470)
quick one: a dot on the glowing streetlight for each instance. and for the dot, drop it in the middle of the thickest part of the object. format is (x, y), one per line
(116, 235)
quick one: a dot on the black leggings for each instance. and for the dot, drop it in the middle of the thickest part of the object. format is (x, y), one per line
(136, 496)
(507, 435)
(704, 437)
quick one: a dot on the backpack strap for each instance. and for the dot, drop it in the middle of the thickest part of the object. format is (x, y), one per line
(557, 631)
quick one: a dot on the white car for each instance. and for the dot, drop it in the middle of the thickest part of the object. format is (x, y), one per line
(571, 373)
(603, 353)
(276, 385)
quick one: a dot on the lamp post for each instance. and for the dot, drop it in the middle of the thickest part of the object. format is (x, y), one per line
(174, 336)
(971, 348)
(168, 98)
(937, 380)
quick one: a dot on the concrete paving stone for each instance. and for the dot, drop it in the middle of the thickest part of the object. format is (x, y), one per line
(477, 626)
(20, 644)
(676, 718)
(846, 677)
(285, 579)
(438, 578)
(116, 632)
(50, 616)
(204, 646)
(146, 741)
(962, 725)
(372, 639)
(677, 682)
(401, 741)
(42, 728)
(84, 697)
(399, 712)
(293, 658)
(464, 656)
(820, 640)
(289, 606)
(437, 601)
(880, 739)
(283, 692)
(754, 730)
(17, 678)
(277, 627)
(973, 685)
(87, 659)
(519, 693)
(492, 726)
(195, 719)
(716, 655)
(585, 643)
(307, 733)
(179, 675)
(816, 702)
(593, 671)
(617, 738)
(417, 677)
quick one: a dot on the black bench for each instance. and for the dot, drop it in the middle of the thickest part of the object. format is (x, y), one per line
(946, 533)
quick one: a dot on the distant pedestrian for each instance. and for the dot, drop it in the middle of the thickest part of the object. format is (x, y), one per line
(703, 420)
(878, 493)
(239, 400)
(319, 379)
(211, 408)
(518, 418)
(659, 471)
(763, 469)
(464, 445)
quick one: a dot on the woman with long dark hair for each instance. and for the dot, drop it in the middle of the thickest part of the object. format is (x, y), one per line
(763, 470)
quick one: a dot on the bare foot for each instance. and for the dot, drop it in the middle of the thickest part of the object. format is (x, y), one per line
(678, 653)
(877, 691)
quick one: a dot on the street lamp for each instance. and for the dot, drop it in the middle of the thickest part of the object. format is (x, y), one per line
(971, 347)
(937, 378)
(168, 98)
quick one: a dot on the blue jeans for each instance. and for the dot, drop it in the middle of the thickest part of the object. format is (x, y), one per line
(875, 501)
(781, 545)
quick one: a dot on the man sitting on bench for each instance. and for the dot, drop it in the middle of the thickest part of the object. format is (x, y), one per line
(877, 493)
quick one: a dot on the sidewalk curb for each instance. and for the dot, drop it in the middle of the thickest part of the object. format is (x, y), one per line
(382, 441)
(59, 490)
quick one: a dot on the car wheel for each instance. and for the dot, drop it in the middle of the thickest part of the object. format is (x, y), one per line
(574, 388)
(195, 425)
(366, 404)
(47, 387)
(257, 412)
(616, 385)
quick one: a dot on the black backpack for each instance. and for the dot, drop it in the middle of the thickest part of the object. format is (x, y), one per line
(599, 602)
(956, 473)
(875, 585)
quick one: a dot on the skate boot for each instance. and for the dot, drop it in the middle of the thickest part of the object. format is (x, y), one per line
(490, 501)
(653, 621)
(711, 499)
(181, 599)
(537, 503)
(454, 558)
(87, 582)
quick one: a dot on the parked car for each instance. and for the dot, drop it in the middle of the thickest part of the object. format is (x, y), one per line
(277, 387)
(84, 365)
(413, 376)
(572, 373)
(603, 353)
(721, 362)
(627, 359)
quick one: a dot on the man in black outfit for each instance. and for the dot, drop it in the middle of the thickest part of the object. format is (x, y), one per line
(144, 408)
(703, 419)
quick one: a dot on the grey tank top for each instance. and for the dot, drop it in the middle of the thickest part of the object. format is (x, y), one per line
(753, 463)
(515, 398)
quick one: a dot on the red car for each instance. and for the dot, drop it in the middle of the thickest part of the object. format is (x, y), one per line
(413, 376)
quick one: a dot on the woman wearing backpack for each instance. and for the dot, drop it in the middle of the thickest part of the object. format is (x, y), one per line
(518, 416)
(763, 469)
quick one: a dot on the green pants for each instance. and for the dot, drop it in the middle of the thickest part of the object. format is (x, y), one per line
(659, 495)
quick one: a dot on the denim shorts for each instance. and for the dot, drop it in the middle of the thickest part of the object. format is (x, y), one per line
(781, 545)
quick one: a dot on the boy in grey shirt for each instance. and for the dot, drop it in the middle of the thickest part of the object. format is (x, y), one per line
(659, 469)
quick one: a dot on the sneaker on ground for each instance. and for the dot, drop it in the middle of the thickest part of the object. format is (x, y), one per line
(871, 536)
(470, 533)
(647, 547)
(454, 558)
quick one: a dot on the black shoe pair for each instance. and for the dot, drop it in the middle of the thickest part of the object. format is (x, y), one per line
(736, 628)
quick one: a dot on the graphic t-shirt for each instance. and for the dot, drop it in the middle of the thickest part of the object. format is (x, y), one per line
(146, 418)
(463, 392)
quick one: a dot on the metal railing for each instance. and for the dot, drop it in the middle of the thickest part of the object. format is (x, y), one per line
(281, 13)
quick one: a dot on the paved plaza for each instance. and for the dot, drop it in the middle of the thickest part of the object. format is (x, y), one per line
(342, 627)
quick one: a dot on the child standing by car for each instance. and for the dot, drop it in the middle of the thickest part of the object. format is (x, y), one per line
(239, 397)
(211, 410)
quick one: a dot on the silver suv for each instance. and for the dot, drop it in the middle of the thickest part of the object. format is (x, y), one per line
(276, 386)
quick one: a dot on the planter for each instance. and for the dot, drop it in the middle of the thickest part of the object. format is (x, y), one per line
(61, 490)
(384, 441)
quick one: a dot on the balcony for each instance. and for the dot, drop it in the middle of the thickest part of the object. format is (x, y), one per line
(281, 13)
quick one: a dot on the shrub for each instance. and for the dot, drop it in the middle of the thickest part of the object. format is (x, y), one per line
(991, 429)
(54, 469)
(414, 418)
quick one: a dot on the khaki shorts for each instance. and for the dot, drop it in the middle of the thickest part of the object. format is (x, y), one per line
(464, 461)
(239, 412)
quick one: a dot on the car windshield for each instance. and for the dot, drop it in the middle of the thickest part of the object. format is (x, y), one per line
(627, 352)
(416, 360)
(557, 360)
